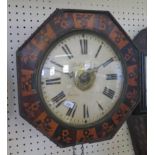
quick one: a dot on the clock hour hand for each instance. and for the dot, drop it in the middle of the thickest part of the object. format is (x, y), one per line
(61, 66)
(71, 74)
(57, 64)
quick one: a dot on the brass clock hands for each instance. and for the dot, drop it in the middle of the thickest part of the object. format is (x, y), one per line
(90, 70)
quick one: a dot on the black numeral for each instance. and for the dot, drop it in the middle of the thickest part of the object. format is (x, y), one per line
(67, 51)
(111, 77)
(85, 111)
(59, 99)
(84, 46)
(98, 51)
(71, 111)
(53, 81)
(108, 92)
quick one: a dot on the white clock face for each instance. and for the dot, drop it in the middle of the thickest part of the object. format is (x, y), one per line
(81, 79)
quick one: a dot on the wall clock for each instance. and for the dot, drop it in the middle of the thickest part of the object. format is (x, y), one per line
(78, 77)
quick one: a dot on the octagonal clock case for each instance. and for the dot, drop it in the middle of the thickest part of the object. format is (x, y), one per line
(78, 77)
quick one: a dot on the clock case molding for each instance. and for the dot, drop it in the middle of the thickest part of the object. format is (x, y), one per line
(30, 54)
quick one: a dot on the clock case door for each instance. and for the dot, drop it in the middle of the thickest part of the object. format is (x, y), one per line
(32, 52)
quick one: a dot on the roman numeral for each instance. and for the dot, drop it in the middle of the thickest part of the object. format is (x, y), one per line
(98, 51)
(111, 77)
(71, 111)
(108, 92)
(108, 62)
(67, 51)
(84, 46)
(53, 81)
(59, 99)
(85, 111)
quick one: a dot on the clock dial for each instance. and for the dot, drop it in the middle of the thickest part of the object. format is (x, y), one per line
(81, 79)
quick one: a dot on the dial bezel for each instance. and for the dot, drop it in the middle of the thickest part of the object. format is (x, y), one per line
(40, 66)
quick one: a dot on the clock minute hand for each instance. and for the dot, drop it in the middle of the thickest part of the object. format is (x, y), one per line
(105, 63)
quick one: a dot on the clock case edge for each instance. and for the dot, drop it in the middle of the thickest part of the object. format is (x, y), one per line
(39, 28)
